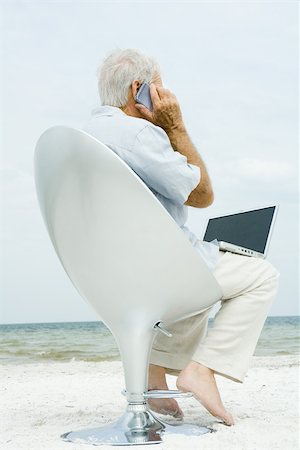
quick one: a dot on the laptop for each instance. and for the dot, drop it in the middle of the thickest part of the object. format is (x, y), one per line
(246, 233)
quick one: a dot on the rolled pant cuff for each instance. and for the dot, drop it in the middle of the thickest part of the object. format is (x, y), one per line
(173, 363)
(220, 371)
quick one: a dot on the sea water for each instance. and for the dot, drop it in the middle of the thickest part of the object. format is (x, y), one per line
(92, 341)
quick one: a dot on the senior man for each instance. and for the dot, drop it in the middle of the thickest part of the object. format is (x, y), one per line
(157, 147)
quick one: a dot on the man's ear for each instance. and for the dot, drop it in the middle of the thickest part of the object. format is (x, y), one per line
(135, 85)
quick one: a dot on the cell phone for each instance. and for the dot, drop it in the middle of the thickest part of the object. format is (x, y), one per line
(143, 96)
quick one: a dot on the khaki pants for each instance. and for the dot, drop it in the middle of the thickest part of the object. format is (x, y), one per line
(249, 286)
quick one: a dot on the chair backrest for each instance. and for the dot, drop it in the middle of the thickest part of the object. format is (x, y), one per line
(119, 246)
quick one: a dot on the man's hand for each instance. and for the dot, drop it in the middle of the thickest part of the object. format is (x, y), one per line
(167, 115)
(166, 110)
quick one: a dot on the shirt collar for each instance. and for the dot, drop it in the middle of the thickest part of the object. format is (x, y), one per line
(106, 110)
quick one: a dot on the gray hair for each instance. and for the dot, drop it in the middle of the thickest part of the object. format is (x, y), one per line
(119, 70)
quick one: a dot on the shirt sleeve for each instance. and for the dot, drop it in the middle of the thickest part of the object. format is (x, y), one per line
(164, 170)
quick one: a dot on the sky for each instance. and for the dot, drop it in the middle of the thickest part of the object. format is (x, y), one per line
(233, 67)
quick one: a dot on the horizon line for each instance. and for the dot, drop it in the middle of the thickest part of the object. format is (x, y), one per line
(95, 321)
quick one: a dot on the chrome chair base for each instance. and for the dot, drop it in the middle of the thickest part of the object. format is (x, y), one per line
(135, 427)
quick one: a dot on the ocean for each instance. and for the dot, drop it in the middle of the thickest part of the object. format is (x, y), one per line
(92, 341)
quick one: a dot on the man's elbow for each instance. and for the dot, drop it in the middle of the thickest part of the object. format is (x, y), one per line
(201, 199)
(209, 199)
(206, 200)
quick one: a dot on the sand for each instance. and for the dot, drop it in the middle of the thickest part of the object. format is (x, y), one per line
(41, 401)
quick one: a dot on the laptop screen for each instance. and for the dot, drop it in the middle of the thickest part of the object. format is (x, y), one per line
(248, 229)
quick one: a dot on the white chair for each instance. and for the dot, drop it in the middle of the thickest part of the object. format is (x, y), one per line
(127, 257)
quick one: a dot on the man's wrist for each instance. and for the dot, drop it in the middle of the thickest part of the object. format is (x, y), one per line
(177, 128)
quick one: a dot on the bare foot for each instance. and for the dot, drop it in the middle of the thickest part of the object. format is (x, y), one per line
(157, 380)
(200, 380)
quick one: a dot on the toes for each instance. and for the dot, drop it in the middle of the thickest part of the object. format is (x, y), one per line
(169, 412)
(227, 419)
(179, 414)
(166, 407)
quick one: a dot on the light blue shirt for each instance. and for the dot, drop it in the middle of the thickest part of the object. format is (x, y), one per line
(146, 148)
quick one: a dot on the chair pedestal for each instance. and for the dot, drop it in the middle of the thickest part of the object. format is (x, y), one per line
(135, 427)
(138, 425)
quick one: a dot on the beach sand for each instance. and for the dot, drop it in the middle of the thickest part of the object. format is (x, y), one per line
(40, 401)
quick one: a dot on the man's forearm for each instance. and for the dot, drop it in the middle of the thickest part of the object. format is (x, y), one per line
(202, 195)
(167, 115)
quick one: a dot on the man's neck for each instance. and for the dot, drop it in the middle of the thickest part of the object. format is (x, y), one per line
(130, 110)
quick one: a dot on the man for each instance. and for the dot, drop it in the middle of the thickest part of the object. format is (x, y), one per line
(157, 147)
